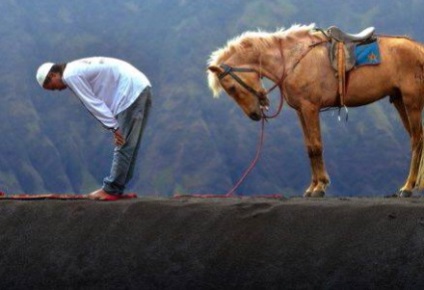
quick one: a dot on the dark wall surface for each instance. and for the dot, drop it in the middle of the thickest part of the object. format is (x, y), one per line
(212, 244)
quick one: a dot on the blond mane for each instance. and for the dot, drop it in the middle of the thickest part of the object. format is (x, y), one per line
(252, 40)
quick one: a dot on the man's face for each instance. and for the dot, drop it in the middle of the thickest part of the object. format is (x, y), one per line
(54, 82)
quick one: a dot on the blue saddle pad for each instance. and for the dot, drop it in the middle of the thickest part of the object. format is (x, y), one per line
(367, 54)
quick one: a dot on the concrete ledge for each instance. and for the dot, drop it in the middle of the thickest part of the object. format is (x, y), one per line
(213, 244)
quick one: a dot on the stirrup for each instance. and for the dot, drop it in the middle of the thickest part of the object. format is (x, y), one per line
(347, 113)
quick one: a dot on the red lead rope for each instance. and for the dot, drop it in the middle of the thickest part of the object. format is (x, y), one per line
(231, 192)
(253, 163)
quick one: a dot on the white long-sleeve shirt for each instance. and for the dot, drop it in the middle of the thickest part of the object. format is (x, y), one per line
(106, 86)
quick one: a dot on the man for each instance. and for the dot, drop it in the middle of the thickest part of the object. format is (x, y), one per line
(116, 94)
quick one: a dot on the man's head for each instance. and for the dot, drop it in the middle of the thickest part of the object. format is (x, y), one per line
(49, 76)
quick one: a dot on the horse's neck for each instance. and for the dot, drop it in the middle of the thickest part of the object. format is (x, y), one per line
(271, 62)
(280, 59)
(296, 48)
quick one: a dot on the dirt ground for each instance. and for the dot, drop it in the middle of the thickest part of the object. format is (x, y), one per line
(249, 243)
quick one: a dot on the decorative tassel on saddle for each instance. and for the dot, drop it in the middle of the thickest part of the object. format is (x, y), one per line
(341, 73)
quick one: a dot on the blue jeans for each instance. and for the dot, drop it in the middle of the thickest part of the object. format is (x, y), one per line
(131, 124)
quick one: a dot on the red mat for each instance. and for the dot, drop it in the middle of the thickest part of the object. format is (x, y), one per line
(4, 196)
(200, 195)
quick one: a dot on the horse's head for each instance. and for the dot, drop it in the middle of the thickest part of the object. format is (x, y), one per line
(238, 67)
(243, 84)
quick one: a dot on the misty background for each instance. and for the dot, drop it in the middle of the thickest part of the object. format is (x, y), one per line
(193, 143)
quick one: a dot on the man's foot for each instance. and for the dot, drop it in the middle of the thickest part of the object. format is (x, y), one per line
(102, 195)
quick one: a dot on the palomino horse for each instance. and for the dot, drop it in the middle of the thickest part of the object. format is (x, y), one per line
(297, 61)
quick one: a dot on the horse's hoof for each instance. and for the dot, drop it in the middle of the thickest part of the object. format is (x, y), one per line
(307, 194)
(318, 193)
(405, 193)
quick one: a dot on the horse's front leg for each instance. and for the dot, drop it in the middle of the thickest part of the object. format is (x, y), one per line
(309, 119)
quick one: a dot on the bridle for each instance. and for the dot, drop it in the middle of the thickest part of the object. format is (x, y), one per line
(228, 70)
(263, 97)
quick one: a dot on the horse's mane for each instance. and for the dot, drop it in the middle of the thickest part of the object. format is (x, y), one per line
(252, 40)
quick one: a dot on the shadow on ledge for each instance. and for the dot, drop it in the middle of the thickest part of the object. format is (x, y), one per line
(213, 244)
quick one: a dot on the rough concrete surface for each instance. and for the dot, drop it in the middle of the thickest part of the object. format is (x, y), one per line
(249, 243)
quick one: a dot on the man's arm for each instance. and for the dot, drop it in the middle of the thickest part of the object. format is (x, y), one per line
(93, 104)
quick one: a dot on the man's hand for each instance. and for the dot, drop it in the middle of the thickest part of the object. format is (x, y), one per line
(119, 139)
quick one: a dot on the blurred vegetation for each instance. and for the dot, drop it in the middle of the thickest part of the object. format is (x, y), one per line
(193, 143)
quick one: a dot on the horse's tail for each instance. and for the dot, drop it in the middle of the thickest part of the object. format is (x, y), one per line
(420, 175)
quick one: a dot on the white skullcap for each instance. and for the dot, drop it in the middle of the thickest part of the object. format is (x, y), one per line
(43, 71)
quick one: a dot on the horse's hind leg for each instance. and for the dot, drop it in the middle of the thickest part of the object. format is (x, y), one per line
(309, 119)
(400, 107)
(397, 101)
(411, 117)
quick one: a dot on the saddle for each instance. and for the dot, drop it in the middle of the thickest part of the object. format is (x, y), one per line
(342, 52)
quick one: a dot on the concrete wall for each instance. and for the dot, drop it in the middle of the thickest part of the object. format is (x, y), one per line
(212, 244)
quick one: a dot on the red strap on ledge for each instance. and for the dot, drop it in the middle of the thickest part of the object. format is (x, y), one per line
(56, 196)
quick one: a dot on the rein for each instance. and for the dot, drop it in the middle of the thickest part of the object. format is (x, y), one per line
(231, 192)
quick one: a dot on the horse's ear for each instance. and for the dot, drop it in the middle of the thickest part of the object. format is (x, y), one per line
(215, 69)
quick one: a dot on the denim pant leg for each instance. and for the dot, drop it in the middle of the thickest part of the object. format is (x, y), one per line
(132, 122)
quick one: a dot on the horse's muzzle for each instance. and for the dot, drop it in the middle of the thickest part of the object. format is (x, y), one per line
(255, 116)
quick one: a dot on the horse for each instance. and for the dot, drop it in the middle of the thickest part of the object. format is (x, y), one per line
(297, 61)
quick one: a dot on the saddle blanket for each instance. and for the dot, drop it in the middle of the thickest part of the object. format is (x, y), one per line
(367, 54)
